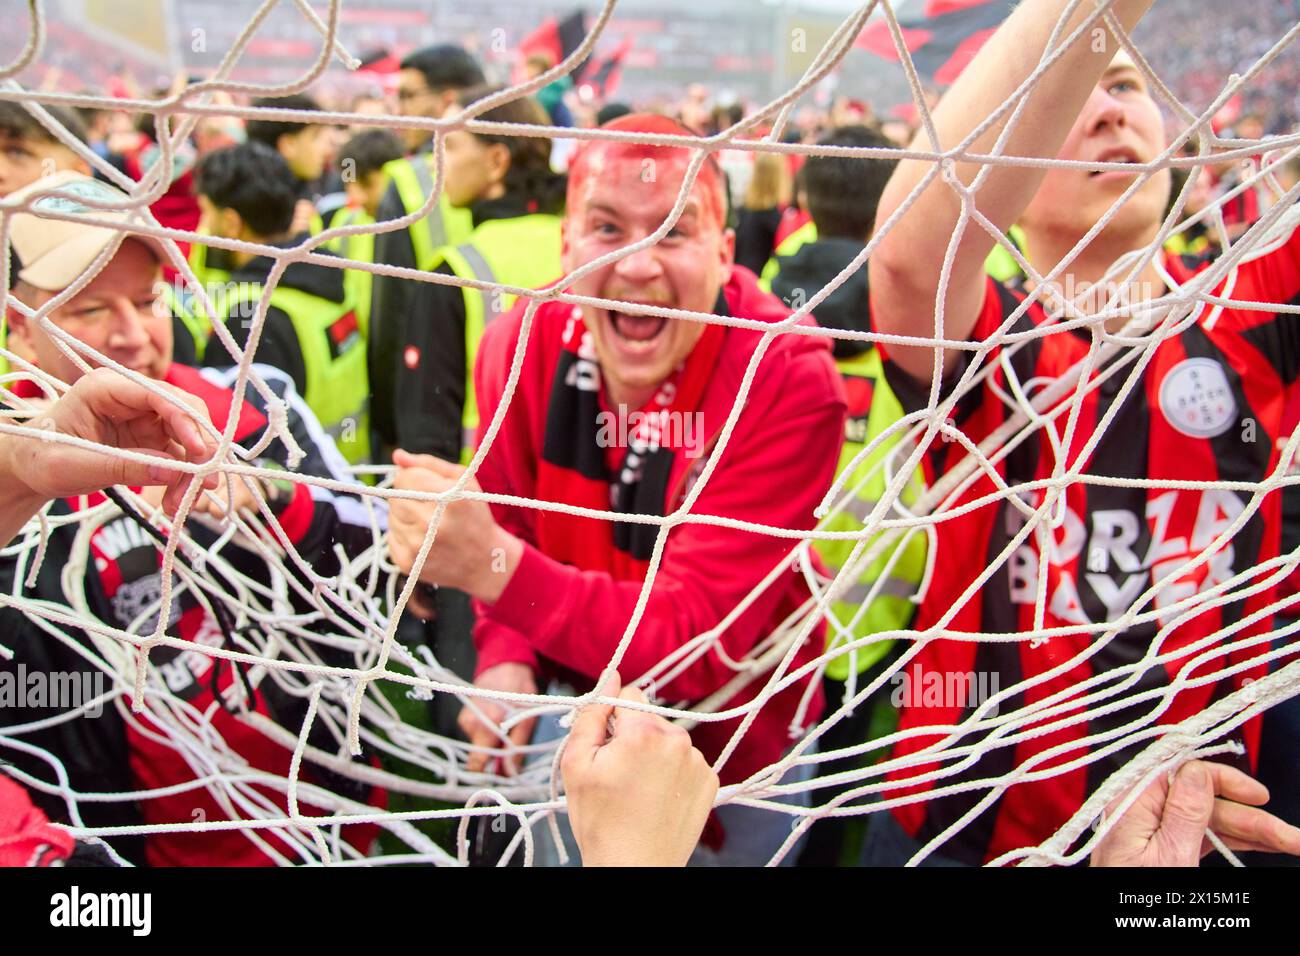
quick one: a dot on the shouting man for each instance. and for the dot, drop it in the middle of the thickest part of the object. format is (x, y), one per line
(554, 592)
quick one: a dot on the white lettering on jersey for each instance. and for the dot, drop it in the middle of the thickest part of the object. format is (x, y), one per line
(584, 373)
(1111, 566)
(119, 537)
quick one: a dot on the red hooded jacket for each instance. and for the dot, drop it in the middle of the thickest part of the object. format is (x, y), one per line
(777, 466)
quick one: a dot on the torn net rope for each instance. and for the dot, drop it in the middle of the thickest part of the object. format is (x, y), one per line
(348, 610)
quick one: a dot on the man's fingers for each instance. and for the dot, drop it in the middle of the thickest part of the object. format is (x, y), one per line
(1253, 828)
(415, 478)
(480, 733)
(592, 721)
(625, 718)
(1188, 808)
(116, 396)
(123, 472)
(181, 424)
(480, 736)
(633, 693)
(443, 469)
(520, 734)
(1235, 785)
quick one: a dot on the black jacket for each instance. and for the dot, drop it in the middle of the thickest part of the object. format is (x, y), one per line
(279, 346)
(813, 266)
(429, 384)
(390, 308)
(94, 750)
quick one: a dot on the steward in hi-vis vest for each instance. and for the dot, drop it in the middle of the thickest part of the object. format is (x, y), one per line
(429, 81)
(434, 383)
(872, 410)
(362, 160)
(358, 248)
(787, 248)
(311, 331)
(506, 185)
(415, 247)
(190, 330)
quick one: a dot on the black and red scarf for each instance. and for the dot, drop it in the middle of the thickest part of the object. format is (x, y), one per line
(576, 470)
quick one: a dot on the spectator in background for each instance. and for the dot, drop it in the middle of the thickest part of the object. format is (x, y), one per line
(368, 104)
(551, 96)
(362, 161)
(850, 112)
(427, 84)
(212, 133)
(1198, 238)
(99, 133)
(311, 331)
(29, 151)
(768, 196)
(176, 208)
(693, 111)
(306, 147)
(610, 112)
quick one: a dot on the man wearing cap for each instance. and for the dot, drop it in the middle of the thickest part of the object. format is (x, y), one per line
(116, 315)
(616, 411)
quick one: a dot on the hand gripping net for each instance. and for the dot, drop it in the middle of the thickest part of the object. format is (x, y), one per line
(349, 610)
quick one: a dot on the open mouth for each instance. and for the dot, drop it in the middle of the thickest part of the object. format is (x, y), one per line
(1123, 156)
(637, 330)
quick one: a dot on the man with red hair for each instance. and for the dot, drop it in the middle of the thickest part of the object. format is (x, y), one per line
(619, 411)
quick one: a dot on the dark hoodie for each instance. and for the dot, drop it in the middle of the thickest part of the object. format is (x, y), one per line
(813, 266)
(279, 346)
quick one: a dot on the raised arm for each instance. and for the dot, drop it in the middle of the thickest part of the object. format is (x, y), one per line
(905, 269)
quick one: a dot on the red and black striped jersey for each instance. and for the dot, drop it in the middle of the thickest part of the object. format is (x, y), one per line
(1161, 506)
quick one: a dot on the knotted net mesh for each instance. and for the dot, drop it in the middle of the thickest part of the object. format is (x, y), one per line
(353, 615)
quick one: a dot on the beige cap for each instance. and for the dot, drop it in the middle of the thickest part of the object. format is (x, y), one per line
(52, 253)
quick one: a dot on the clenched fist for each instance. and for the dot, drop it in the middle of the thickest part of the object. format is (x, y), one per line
(471, 551)
(638, 796)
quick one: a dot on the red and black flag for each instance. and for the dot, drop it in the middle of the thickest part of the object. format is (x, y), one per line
(382, 61)
(605, 75)
(555, 39)
(942, 36)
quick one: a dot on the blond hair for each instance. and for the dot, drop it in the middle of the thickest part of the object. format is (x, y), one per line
(770, 185)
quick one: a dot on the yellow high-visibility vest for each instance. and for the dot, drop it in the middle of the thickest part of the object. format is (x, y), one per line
(902, 564)
(338, 389)
(522, 251)
(445, 225)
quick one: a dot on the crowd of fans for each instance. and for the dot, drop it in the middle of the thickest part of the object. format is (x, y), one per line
(392, 370)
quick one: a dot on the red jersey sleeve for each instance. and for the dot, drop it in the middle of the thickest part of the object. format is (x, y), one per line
(1270, 279)
(775, 470)
(982, 409)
